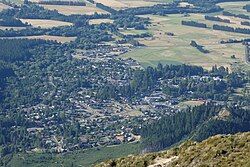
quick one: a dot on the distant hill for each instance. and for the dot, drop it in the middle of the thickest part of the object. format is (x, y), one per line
(219, 150)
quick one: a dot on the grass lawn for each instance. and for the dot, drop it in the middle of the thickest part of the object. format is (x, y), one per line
(79, 158)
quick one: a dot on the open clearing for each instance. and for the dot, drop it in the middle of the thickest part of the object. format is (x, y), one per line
(99, 21)
(190, 103)
(176, 49)
(68, 10)
(132, 31)
(46, 37)
(43, 23)
(3, 6)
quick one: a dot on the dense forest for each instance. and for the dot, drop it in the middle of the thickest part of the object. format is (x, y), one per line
(18, 49)
(197, 123)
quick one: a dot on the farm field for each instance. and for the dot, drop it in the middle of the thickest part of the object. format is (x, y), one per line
(68, 10)
(132, 31)
(176, 49)
(99, 21)
(43, 23)
(122, 4)
(3, 6)
(235, 7)
(48, 37)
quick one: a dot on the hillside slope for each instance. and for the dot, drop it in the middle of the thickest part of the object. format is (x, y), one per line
(219, 150)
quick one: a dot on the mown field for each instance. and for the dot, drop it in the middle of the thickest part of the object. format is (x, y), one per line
(99, 21)
(176, 49)
(43, 23)
(79, 158)
(235, 7)
(68, 10)
(121, 4)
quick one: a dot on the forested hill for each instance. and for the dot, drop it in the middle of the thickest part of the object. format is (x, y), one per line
(197, 123)
(219, 150)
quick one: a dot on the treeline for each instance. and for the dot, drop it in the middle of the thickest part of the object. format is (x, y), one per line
(69, 3)
(231, 41)
(247, 7)
(170, 8)
(12, 22)
(231, 29)
(106, 8)
(199, 47)
(215, 18)
(209, 2)
(197, 123)
(22, 32)
(31, 11)
(245, 23)
(91, 1)
(194, 24)
(130, 21)
(242, 16)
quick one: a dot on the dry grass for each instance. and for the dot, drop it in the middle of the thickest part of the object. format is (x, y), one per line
(122, 4)
(3, 6)
(68, 10)
(185, 4)
(235, 7)
(43, 23)
(139, 3)
(47, 37)
(226, 150)
(99, 21)
(191, 103)
(112, 3)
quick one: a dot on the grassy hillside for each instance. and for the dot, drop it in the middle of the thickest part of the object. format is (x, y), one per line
(219, 150)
